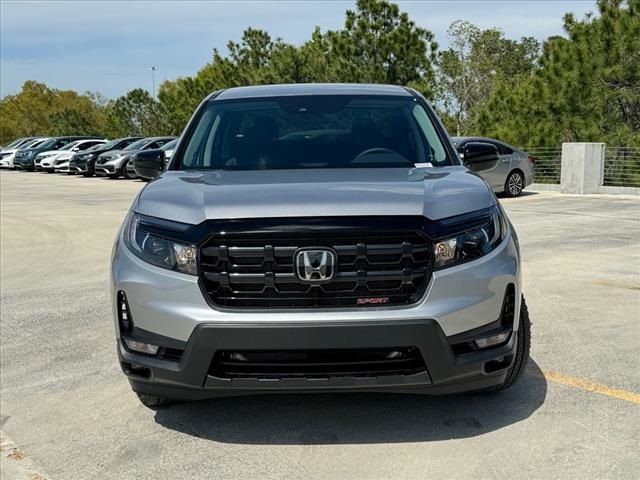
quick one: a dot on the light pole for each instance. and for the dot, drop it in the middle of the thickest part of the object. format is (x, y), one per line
(153, 80)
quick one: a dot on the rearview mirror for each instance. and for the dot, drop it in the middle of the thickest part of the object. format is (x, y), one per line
(149, 164)
(479, 155)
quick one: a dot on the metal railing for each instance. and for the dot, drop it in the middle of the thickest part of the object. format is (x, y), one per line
(621, 167)
(547, 165)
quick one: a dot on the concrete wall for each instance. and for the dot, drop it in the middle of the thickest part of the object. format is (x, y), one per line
(582, 172)
(582, 167)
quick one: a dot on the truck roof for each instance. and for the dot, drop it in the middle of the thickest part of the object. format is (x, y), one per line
(261, 91)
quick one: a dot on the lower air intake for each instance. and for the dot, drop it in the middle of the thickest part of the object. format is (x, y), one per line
(270, 364)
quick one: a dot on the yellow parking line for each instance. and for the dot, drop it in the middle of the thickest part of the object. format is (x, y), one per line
(592, 387)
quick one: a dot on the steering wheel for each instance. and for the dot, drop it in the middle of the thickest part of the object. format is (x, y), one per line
(370, 151)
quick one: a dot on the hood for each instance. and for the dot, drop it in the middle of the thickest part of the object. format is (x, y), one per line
(110, 153)
(66, 155)
(192, 197)
(50, 152)
(36, 149)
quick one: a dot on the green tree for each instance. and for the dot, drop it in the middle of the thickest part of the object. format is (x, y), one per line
(135, 113)
(40, 110)
(587, 87)
(380, 44)
(476, 61)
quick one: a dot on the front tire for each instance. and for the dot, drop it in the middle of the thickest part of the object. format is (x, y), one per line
(523, 347)
(127, 175)
(152, 401)
(514, 185)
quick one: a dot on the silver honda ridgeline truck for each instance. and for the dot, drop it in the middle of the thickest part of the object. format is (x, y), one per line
(317, 238)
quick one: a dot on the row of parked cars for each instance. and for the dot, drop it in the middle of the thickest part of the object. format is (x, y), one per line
(83, 155)
(90, 156)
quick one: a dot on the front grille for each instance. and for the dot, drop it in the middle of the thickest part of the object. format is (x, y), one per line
(277, 364)
(256, 270)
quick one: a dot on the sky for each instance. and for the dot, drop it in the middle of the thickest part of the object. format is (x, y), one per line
(110, 46)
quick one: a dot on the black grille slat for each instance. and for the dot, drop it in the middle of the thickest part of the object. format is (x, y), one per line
(317, 363)
(256, 270)
(244, 278)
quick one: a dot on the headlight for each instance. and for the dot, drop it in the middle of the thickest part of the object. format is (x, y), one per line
(472, 244)
(157, 250)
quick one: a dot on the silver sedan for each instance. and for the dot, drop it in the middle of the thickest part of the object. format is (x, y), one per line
(513, 171)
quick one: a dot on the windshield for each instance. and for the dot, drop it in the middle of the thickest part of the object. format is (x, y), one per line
(98, 146)
(48, 143)
(16, 143)
(34, 143)
(110, 144)
(69, 146)
(297, 132)
(169, 146)
(137, 145)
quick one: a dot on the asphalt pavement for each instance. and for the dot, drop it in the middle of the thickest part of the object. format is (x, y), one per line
(70, 411)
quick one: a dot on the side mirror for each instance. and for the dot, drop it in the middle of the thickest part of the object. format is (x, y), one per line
(480, 156)
(149, 164)
(75, 149)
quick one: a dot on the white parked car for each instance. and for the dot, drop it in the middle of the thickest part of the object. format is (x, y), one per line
(8, 155)
(46, 160)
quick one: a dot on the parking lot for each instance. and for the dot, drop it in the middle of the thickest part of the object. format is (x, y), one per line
(70, 411)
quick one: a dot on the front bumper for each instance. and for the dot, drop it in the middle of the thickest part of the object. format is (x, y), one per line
(78, 167)
(105, 169)
(45, 167)
(25, 164)
(193, 378)
(169, 308)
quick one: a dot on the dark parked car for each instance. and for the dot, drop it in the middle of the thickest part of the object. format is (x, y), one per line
(25, 159)
(114, 164)
(85, 162)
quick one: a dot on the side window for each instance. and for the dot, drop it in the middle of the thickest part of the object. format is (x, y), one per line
(503, 149)
(85, 145)
(160, 143)
(61, 143)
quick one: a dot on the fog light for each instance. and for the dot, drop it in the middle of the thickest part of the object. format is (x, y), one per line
(492, 341)
(141, 347)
